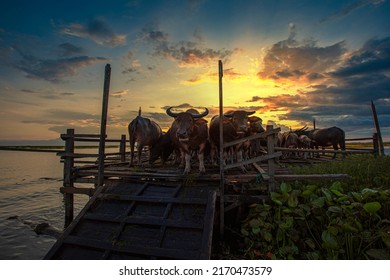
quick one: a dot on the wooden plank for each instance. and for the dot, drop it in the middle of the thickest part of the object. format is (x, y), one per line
(74, 190)
(208, 224)
(199, 227)
(144, 221)
(69, 229)
(263, 173)
(133, 249)
(252, 137)
(75, 155)
(354, 151)
(252, 160)
(152, 199)
(289, 177)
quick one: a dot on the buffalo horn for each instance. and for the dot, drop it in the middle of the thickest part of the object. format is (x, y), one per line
(205, 113)
(170, 113)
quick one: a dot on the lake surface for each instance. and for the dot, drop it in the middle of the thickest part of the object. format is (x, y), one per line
(29, 194)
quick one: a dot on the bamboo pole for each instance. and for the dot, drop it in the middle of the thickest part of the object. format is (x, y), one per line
(103, 124)
(68, 177)
(375, 144)
(221, 168)
(378, 130)
(122, 148)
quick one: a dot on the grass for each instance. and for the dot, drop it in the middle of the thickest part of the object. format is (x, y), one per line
(366, 171)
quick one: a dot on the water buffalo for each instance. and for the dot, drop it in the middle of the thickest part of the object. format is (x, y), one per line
(290, 140)
(189, 133)
(332, 136)
(254, 147)
(162, 149)
(143, 131)
(235, 126)
(305, 143)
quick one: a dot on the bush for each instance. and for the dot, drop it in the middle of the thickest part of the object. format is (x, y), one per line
(319, 222)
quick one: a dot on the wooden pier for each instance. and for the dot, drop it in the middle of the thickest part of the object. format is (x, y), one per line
(158, 213)
(141, 220)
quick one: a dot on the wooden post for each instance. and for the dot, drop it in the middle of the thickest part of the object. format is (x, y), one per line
(221, 167)
(103, 125)
(375, 144)
(314, 123)
(68, 176)
(271, 161)
(378, 130)
(122, 148)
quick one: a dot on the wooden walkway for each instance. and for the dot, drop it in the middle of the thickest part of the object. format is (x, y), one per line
(141, 220)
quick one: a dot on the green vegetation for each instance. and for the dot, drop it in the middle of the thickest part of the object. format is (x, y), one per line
(367, 171)
(325, 220)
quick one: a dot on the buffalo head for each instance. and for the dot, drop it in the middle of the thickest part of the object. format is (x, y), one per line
(239, 120)
(184, 122)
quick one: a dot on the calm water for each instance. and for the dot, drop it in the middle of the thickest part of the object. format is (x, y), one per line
(29, 189)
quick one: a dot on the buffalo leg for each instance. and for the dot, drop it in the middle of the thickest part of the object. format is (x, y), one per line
(187, 157)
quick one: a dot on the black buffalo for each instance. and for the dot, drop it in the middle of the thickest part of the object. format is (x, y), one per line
(144, 132)
(332, 136)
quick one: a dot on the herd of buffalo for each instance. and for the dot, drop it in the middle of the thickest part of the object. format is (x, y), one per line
(190, 134)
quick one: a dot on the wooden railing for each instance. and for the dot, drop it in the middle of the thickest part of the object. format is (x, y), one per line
(74, 162)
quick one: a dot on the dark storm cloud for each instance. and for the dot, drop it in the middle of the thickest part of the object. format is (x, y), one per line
(98, 30)
(350, 8)
(53, 70)
(68, 49)
(373, 57)
(186, 53)
(342, 83)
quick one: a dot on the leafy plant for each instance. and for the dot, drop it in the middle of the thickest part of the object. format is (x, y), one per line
(319, 222)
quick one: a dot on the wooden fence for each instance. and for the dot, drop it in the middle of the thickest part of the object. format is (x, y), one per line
(74, 162)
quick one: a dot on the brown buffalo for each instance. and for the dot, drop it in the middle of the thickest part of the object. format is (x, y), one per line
(189, 133)
(235, 126)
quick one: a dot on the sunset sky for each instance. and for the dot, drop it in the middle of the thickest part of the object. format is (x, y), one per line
(290, 61)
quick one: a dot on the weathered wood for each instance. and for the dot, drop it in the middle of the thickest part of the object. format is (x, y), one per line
(271, 161)
(378, 130)
(103, 124)
(122, 148)
(81, 136)
(221, 167)
(252, 160)
(252, 137)
(358, 139)
(153, 199)
(349, 151)
(263, 173)
(375, 144)
(76, 155)
(74, 190)
(68, 177)
(141, 220)
(293, 177)
(131, 248)
(145, 221)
